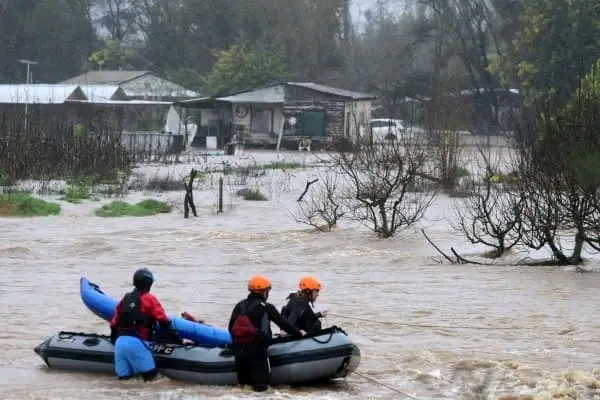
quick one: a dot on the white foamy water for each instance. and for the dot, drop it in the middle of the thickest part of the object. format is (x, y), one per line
(426, 328)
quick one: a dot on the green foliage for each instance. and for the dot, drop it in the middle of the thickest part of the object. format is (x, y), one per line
(244, 66)
(144, 208)
(113, 55)
(254, 195)
(568, 141)
(23, 204)
(557, 42)
(78, 189)
(283, 165)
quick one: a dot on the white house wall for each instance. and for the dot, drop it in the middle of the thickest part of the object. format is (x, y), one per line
(358, 114)
(150, 85)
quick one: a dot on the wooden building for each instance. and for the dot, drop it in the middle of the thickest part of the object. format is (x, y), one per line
(292, 111)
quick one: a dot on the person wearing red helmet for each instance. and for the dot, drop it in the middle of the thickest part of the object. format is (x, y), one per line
(250, 328)
(299, 309)
(133, 326)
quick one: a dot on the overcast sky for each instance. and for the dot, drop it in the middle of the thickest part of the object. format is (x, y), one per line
(358, 8)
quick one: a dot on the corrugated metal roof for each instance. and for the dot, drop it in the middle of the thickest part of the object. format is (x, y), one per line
(269, 95)
(334, 91)
(37, 93)
(103, 92)
(160, 92)
(105, 77)
(122, 102)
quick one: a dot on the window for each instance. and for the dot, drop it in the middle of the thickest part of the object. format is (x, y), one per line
(261, 121)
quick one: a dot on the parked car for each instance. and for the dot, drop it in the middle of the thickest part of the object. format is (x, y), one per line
(383, 129)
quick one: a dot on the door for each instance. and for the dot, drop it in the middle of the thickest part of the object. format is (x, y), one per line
(313, 123)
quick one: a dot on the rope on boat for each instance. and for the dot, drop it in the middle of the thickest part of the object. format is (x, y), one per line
(412, 325)
(385, 385)
(425, 325)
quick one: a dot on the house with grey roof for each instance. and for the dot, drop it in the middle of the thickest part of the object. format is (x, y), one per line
(95, 109)
(284, 114)
(135, 84)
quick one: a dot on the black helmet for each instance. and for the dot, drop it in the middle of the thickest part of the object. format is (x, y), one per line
(143, 279)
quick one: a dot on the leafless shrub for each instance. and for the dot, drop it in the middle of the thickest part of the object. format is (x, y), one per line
(319, 205)
(166, 183)
(231, 187)
(44, 146)
(380, 177)
(490, 213)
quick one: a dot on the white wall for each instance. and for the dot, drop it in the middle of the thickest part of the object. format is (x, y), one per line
(155, 87)
(357, 116)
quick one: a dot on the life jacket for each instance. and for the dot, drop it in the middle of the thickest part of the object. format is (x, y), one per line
(131, 318)
(243, 331)
(307, 320)
(285, 311)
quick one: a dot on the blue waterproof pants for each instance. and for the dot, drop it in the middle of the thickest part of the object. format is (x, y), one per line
(132, 357)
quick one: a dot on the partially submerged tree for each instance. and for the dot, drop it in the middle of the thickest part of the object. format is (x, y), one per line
(490, 213)
(381, 182)
(321, 208)
(561, 171)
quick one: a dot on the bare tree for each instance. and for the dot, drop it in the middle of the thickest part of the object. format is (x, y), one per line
(381, 179)
(322, 208)
(490, 214)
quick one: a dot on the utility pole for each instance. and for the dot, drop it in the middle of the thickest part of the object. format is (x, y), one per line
(348, 56)
(28, 80)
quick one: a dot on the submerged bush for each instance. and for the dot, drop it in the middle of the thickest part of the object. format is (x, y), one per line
(144, 208)
(254, 195)
(23, 204)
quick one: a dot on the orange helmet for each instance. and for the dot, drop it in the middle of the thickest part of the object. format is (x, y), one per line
(309, 283)
(259, 283)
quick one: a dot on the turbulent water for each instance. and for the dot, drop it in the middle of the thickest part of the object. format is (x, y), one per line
(431, 330)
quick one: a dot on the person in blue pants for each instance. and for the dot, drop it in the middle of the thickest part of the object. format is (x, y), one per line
(132, 327)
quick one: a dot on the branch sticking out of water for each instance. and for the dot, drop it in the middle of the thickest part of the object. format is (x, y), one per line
(458, 258)
(308, 183)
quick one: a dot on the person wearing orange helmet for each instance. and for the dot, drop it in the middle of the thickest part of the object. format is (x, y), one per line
(250, 328)
(299, 309)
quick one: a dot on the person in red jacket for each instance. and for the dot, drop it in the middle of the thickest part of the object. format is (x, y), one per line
(133, 325)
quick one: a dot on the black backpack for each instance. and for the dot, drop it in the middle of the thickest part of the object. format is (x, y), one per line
(131, 316)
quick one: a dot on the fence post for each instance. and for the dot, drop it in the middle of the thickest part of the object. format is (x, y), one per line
(220, 207)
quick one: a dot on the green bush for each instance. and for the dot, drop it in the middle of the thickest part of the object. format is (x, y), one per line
(254, 195)
(77, 190)
(23, 204)
(144, 208)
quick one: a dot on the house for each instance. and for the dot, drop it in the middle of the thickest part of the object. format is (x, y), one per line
(289, 112)
(49, 107)
(103, 92)
(136, 84)
(39, 102)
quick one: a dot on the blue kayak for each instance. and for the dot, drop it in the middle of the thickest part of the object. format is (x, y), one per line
(104, 307)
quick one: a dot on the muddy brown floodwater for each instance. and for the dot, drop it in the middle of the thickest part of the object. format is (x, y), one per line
(431, 330)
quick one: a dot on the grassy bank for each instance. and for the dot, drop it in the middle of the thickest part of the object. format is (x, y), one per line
(144, 208)
(23, 204)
